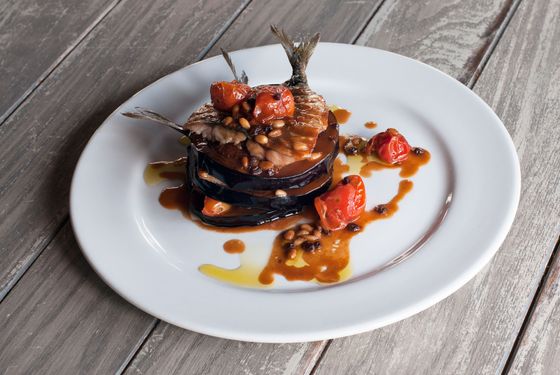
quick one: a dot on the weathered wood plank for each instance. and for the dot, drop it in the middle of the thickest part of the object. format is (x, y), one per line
(539, 348)
(62, 319)
(474, 330)
(453, 36)
(337, 21)
(40, 143)
(35, 36)
(168, 347)
(171, 350)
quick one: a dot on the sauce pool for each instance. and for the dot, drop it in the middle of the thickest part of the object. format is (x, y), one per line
(234, 246)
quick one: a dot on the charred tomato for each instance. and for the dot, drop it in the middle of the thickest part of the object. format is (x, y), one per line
(343, 204)
(225, 95)
(390, 146)
(213, 207)
(273, 102)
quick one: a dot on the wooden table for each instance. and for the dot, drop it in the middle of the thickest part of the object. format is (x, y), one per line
(66, 64)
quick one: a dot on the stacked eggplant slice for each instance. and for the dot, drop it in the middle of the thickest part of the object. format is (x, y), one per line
(258, 154)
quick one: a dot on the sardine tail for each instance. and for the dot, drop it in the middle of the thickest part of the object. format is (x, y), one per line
(298, 54)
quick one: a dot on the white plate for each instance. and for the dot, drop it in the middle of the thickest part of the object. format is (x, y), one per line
(151, 255)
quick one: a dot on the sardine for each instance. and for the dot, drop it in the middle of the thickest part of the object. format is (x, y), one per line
(311, 112)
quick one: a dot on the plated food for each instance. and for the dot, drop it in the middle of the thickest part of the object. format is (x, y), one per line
(181, 270)
(261, 154)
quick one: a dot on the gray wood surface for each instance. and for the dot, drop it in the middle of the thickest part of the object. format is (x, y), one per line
(474, 330)
(539, 349)
(41, 142)
(165, 352)
(171, 350)
(35, 36)
(337, 21)
(61, 319)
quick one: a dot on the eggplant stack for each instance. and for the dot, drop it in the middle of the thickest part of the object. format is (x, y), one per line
(258, 154)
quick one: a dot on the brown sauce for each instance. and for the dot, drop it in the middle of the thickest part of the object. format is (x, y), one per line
(234, 246)
(371, 124)
(328, 262)
(408, 168)
(342, 115)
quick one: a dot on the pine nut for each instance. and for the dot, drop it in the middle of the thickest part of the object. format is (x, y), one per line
(298, 241)
(306, 227)
(302, 233)
(277, 124)
(289, 235)
(292, 254)
(245, 162)
(244, 123)
(280, 193)
(235, 111)
(261, 139)
(265, 164)
(275, 133)
(228, 120)
(246, 106)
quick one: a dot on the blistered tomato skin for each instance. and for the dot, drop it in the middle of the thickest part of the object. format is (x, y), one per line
(225, 95)
(214, 207)
(273, 102)
(343, 204)
(390, 146)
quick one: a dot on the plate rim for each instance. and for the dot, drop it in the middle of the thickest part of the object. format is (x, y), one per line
(435, 296)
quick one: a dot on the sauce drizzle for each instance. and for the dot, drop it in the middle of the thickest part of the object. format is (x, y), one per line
(327, 264)
(342, 115)
(234, 246)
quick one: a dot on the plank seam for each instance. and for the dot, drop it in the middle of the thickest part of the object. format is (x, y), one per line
(493, 44)
(137, 348)
(223, 30)
(532, 307)
(369, 19)
(27, 265)
(48, 72)
(320, 357)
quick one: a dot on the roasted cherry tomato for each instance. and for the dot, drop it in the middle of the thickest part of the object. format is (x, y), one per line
(390, 146)
(273, 102)
(213, 207)
(225, 95)
(343, 204)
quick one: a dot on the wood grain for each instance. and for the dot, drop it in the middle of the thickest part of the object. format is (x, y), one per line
(168, 347)
(62, 319)
(539, 349)
(337, 21)
(171, 350)
(474, 330)
(40, 143)
(35, 36)
(454, 36)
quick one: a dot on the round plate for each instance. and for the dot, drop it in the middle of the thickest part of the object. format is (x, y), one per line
(453, 221)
